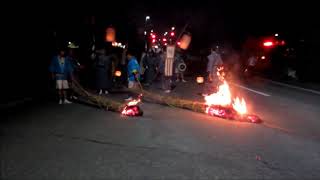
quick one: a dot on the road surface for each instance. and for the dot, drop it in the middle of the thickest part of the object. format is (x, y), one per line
(49, 141)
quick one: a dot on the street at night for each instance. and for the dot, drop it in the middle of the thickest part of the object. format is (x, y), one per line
(83, 142)
(160, 90)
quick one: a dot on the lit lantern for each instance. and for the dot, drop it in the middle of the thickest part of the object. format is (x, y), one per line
(200, 79)
(117, 73)
(110, 34)
(185, 41)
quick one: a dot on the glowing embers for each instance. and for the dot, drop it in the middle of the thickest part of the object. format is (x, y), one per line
(132, 108)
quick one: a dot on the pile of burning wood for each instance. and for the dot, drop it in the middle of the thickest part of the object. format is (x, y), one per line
(220, 103)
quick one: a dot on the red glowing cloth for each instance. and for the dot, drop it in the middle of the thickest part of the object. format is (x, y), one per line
(134, 110)
(229, 113)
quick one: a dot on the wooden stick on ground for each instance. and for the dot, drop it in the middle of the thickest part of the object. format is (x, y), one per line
(112, 105)
(102, 102)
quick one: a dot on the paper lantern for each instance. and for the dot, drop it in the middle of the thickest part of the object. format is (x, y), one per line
(185, 41)
(200, 79)
(110, 34)
(117, 73)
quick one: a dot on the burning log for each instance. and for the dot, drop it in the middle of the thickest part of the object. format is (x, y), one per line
(226, 112)
(132, 108)
(173, 102)
(115, 106)
(230, 113)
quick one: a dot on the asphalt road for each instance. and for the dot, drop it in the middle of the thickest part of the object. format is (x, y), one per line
(295, 110)
(48, 141)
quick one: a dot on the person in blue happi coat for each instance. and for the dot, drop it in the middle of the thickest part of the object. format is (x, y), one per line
(61, 70)
(133, 69)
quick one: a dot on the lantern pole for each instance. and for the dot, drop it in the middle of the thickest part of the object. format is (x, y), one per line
(92, 37)
(183, 30)
(145, 33)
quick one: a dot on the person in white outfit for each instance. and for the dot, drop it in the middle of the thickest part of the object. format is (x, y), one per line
(214, 62)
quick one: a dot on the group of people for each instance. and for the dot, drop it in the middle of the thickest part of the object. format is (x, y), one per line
(63, 68)
(166, 68)
(245, 70)
(151, 68)
(154, 65)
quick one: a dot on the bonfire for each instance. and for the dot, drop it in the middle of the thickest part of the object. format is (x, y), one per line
(222, 104)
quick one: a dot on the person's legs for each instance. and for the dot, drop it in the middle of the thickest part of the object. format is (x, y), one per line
(131, 85)
(65, 87)
(123, 74)
(66, 101)
(73, 95)
(163, 82)
(60, 91)
(182, 77)
(210, 86)
(147, 77)
(176, 74)
(177, 77)
(168, 84)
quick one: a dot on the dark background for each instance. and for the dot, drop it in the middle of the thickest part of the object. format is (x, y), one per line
(29, 40)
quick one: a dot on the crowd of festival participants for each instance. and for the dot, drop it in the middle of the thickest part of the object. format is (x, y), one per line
(149, 69)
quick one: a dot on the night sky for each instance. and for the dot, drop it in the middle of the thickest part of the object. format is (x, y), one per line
(232, 21)
(28, 38)
(209, 21)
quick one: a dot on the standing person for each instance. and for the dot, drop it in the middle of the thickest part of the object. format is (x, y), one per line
(161, 68)
(251, 63)
(236, 65)
(159, 65)
(103, 68)
(214, 62)
(179, 73)
(168, 68)
(133, 73)
(61, 69)
(150, 63)
(144, 55)
(123, 67)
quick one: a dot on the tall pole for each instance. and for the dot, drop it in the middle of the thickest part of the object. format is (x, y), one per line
(93, 37)
(183, 30)
(145, 33)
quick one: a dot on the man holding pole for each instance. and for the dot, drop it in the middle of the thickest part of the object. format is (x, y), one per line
(133, 73)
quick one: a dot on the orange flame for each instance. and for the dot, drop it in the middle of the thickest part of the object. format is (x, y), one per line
(127, 111)
(223, 96)
(133, 102)
(239, 106)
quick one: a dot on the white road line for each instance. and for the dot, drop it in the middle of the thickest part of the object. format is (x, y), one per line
(293, 87)
(258, 92)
